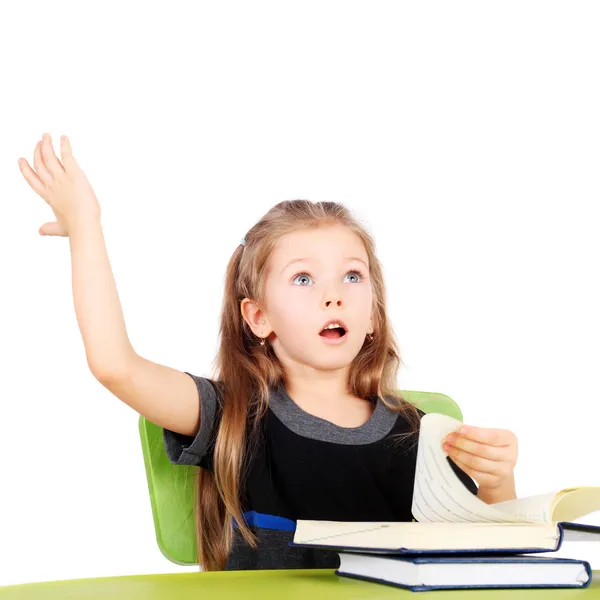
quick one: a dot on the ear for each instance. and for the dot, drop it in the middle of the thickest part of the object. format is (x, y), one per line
(256, 318)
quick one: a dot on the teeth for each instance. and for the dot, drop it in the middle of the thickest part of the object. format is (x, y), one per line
(333, 326)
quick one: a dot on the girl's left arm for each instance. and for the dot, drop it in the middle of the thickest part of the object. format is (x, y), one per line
(489, 456)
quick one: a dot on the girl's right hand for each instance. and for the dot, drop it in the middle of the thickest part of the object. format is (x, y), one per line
(63, 186)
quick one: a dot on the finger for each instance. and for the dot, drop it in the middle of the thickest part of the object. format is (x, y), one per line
(484, 435)
(40, 167)
(31, 177)
(478, 449)
(66, 154)
(479, 463)
(52, 163)
(482, 479)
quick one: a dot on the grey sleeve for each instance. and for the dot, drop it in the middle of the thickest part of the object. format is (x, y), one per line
(187, 450)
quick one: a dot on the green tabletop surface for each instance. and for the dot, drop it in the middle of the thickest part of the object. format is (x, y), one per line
(264, 585)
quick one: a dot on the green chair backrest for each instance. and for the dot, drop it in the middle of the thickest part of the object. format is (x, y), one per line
(173, 491)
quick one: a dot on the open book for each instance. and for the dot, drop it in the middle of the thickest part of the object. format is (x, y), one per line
(451, 519)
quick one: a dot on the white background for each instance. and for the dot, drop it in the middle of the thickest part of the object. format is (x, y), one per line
(465, 135)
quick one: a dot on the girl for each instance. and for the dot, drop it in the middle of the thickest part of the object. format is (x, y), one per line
(302, 418)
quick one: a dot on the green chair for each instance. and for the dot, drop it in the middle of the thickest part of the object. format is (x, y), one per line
(173, 490)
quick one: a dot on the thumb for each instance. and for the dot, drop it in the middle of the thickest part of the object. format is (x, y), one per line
(53, 228)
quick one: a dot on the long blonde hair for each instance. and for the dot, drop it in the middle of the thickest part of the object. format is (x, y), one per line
(246, 371)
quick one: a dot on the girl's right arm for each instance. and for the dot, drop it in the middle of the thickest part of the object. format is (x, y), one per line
(163, 395)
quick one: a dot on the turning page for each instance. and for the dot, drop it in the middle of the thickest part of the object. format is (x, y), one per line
(439, 495)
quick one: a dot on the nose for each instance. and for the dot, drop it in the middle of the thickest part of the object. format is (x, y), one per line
(328, 303)
(332, 298)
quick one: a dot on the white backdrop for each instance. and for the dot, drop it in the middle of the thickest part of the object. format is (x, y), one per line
(464, 135)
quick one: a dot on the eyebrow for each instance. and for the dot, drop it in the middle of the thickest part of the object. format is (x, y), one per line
(297, 260)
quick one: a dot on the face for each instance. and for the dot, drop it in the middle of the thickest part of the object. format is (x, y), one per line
(314, 276)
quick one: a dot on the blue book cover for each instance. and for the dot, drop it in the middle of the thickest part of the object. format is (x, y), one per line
(423, 573)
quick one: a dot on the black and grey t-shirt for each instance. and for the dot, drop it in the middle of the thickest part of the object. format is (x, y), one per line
(304, 467)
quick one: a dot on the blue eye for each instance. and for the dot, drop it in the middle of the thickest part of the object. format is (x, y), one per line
(306, 275)
(354, 272)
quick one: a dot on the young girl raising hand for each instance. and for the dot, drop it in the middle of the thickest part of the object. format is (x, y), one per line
(302, 418)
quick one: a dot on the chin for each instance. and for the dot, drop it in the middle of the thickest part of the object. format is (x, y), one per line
(331, 366)
(323, 357)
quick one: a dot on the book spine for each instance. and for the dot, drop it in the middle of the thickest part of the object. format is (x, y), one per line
(561, 536)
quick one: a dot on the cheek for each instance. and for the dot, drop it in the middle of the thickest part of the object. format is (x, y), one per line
(360, 298)
(293, 315)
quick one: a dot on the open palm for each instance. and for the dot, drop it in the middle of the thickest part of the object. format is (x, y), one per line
(63, 185)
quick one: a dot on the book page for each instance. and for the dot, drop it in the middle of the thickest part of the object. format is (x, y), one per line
(573, 503)
(439, 495)
(536, 509)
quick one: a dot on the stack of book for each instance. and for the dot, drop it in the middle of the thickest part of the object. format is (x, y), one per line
(459, 541)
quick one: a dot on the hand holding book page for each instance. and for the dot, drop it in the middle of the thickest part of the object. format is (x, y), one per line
(440, 496)
(451, 518)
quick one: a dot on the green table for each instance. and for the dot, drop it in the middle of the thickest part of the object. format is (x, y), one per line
(263, 585)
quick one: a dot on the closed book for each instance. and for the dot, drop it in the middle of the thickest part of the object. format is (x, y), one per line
(445, 572)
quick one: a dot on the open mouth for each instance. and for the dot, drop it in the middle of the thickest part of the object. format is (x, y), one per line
(334, 333)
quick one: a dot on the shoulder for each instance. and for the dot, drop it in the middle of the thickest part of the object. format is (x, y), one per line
(404, 410)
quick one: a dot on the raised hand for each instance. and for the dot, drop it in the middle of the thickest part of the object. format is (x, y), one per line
(63, 185)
